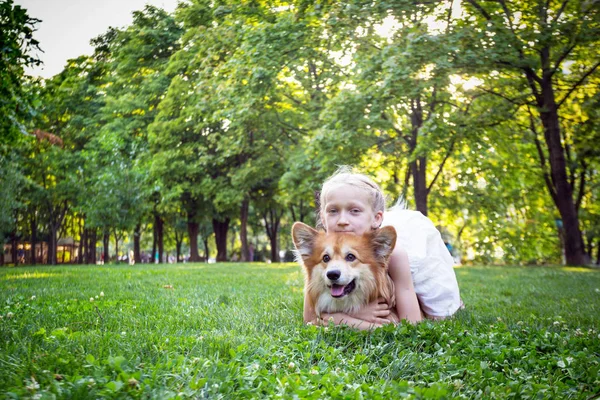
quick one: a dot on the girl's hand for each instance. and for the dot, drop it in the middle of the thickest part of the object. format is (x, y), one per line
(376, 312)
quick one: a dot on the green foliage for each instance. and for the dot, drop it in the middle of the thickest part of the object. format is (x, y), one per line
(118, 155)
(16, 104)
(16, 42)
(11, 182)
(235, 330)
(494, 210)
(535, 56)
(192, 116)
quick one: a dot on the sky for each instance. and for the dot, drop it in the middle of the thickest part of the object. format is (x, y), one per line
(68, 26)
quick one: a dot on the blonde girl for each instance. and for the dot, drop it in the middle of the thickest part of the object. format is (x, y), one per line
(420, 266)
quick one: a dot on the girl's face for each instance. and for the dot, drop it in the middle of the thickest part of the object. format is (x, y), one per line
(348, 209)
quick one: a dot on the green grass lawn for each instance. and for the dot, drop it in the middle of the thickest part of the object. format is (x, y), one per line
(235, 330)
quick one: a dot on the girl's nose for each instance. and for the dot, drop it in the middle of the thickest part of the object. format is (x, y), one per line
(342, 220)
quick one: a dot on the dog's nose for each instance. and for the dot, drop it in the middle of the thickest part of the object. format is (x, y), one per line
(334, 275)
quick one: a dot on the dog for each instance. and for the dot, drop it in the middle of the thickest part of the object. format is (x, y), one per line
(344, 272)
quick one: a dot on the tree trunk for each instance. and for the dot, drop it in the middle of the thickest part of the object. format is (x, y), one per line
(193, 236)
(117, 246)
(419, 169)
(56, 215)
(153, 255)
(94, 241)
(274, 248)
(231, 244)
(83, 245)
(49, 256)
(178, 242)
(590, 248)
(205, 241)
(105, 241)
(419, 165)
(244, 230)
(301, 212)
(53, 245)
(13, 249)
(33, 223)
(137, 234)
(158, 229)
(561, 190)
(161, 242)
(87, 246)
(272, 218)
(220, 228)
(91, 246)
(81, 241)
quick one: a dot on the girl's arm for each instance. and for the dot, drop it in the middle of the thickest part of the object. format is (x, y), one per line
(310, 316)
(407, 305)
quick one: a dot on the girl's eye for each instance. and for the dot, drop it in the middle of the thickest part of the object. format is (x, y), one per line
(326, 258)
(350, 257)
(332, 211)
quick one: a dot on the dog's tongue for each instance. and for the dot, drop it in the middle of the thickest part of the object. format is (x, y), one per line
(337, 290)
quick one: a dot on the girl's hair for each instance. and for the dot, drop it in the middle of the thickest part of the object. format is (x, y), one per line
(345, 175)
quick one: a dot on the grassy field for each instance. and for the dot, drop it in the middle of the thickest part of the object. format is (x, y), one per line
(235, 331)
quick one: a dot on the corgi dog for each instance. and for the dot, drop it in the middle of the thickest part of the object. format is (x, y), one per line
(343, 271)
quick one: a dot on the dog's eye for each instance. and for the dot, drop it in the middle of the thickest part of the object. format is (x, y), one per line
(350, 257)
(326, 258)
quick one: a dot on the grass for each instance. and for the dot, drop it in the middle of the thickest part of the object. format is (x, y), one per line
(235, 331)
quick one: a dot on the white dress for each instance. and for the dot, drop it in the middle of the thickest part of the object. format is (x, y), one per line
(431, 264)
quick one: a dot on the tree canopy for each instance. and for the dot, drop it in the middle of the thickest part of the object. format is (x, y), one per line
(222, 119)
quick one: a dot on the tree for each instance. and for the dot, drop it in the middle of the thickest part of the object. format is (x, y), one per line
(51, 169)
(136, 58)
(544, 48)
(70, 104)
(585, 122)
(16, 103)
(16, 41)
(237, 146)
(11, 184)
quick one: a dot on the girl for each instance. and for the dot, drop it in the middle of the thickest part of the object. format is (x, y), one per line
(420, 265)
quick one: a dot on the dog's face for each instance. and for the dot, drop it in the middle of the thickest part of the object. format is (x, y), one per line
(344, 271)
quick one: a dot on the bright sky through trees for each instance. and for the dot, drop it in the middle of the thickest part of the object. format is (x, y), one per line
(68, 26)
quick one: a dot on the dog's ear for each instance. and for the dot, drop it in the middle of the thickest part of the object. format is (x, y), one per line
(304, 239)
(383, 241)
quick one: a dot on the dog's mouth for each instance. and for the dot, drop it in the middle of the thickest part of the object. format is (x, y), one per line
(342, 290)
